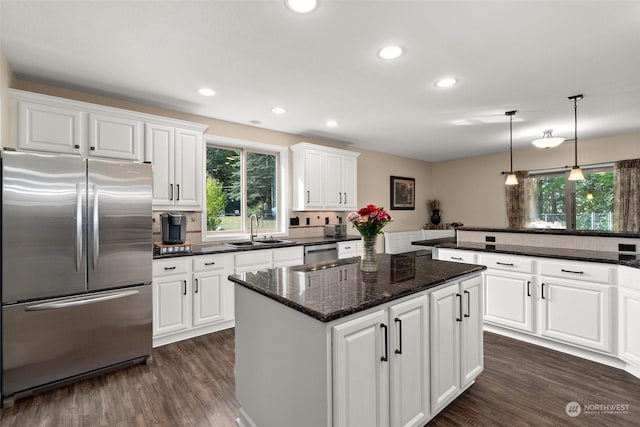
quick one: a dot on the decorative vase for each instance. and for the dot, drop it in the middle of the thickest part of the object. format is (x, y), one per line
(435, 216)
(368, 261)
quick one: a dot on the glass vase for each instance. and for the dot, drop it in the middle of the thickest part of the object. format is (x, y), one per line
(368, 261)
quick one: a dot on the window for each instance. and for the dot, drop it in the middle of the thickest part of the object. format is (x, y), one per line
(243, 179)
(574, 205)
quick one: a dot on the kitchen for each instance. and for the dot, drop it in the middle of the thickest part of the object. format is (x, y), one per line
(470, 187)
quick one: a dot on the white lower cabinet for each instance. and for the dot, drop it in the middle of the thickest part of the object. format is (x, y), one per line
(576, 312)
(629, 318)
(191, 296)
(456, 340)
(381, 367)
(509, 299)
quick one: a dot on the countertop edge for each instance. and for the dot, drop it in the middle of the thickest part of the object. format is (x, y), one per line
(554, 231)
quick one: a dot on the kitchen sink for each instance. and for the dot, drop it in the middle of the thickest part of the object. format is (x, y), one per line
(263, 242)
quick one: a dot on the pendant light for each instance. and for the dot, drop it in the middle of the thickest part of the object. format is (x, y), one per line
(511, 177)
(576, 173)
(548, 140)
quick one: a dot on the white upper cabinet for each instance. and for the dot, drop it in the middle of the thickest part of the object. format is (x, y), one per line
(115, 137)
(177, 158)
(51, 128)
(57, 125)
(324, 178)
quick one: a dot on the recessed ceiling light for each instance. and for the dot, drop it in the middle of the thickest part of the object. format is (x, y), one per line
(206, 91)
(331, 123)
(302, 6)
(448, 82)
(278, 110)
(390, 52)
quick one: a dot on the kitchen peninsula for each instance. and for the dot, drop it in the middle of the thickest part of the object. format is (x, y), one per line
(328, 345)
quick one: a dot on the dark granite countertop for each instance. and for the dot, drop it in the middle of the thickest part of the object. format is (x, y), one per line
(554, 231)
(217, 248)
(329, 291)
(434, 242)
(631, 260)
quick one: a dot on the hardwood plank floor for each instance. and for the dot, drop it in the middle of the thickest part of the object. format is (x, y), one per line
(191, 383)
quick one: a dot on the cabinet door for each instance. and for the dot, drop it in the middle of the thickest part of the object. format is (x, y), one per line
(48, 128)
(287, 257)
(409, 352)
(576, 312)
(208, 297)
(628, 323)
(253, 260)
(471, 343)
(349, 183)
(360, 375)
(508, 300)
(189, 153)
(314, 179)
(445, 316)
(160, 143)
(333, 181)
(170, 304)
(114, 137)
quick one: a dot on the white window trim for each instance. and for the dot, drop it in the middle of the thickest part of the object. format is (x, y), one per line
(283, 180)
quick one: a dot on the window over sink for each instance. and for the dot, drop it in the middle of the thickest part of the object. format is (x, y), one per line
(242, 179)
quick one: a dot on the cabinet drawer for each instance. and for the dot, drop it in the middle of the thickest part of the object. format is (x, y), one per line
(508, 262)
(212, 262)
(347, 250)
(589, 272)
(290, 256)
(168, 267)
(456, 256)
(249, 258)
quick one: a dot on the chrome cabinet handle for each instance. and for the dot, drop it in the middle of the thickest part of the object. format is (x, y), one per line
(78, 226)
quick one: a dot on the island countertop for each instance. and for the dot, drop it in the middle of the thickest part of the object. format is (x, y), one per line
(333, 290)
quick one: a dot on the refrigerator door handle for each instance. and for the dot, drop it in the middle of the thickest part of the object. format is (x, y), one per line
(96, 227)
(72, 302)
(78, 227)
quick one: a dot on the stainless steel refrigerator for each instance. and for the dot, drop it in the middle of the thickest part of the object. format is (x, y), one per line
(76, 269)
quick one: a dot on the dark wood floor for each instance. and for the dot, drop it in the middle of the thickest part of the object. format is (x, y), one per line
(191, 383)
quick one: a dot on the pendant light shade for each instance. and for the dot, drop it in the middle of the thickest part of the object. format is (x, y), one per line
(576, 172)
(548, 140)
(511, 177)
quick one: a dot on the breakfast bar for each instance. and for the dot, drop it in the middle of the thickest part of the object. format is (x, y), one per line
(328, 345)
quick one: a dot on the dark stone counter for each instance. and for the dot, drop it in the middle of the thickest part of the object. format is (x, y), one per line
(631, 260)
(330, 291)
(554, 231)
(217, 248)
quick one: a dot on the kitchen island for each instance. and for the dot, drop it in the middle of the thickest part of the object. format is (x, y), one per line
(327, 345)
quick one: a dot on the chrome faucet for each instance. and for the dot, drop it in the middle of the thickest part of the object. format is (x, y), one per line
(251, 225)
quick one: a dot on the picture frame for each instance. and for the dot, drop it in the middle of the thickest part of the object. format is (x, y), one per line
(403, 193)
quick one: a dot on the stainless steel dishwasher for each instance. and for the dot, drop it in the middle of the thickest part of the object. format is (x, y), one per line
(320, 253)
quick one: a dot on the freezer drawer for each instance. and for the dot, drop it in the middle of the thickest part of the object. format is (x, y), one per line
(52, 340)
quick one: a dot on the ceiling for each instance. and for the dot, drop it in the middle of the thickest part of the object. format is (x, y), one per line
(506, 55)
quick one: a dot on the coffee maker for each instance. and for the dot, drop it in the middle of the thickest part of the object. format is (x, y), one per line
(174, 227)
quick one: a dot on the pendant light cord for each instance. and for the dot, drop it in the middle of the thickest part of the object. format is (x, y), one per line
(575, 130)
(511, 141)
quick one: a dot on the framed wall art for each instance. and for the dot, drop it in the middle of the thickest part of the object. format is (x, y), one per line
(403, 193)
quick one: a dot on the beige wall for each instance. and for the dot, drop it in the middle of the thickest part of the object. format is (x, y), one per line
(472, 190)
(7, 80)
(374, 168)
